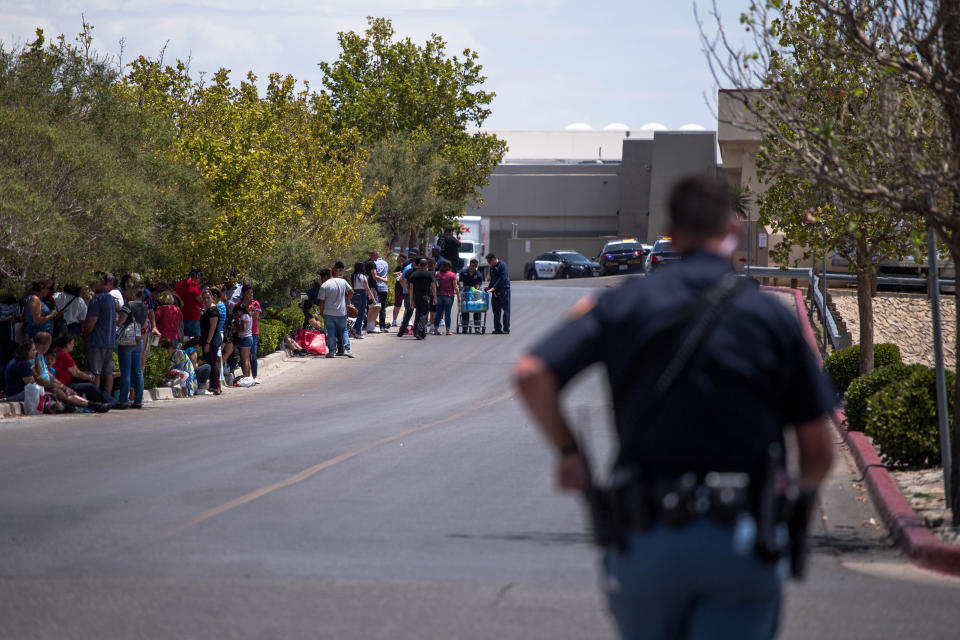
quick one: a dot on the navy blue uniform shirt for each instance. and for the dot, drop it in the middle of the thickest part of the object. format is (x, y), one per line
(753, 373)
(499, 277)
(468, 280)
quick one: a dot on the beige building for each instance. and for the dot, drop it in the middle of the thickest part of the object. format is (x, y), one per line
(739, 143)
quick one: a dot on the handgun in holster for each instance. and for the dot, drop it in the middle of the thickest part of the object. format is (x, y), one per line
(783, 514)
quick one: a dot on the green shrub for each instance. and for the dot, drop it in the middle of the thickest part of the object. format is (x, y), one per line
(860, 390)
(843, 366)
(902, 419)
(157, 367)
(271, 335)
(291, 316)
(79, 353)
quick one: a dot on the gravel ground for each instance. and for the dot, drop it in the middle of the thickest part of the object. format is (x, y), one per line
(923, 489)
(903, 319)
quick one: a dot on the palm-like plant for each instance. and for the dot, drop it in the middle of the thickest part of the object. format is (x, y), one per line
(742, 198)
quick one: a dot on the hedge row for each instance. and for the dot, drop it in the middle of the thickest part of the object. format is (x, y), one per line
(843, 365)
(902, 419)
(896, 405)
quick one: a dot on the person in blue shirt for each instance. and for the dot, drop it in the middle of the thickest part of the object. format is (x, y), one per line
(471, 278)
(500, 286)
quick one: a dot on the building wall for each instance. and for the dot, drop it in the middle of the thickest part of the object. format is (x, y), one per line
(568, 198)
(676, 155)
(635, 175)
(575, 146)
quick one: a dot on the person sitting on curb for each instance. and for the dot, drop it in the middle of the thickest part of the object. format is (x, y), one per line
(311, 320)
(42, 371)
(191, 349)
(19, 371)
(181, 368)
(68, 373)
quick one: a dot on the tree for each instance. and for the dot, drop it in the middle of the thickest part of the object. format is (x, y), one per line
(812, 216)
(405, 98)
(909, 51)
(274, 168)
(82, 186)
(407, 167)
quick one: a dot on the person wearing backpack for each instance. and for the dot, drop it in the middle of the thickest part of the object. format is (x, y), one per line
(73, 310)
(130, 322)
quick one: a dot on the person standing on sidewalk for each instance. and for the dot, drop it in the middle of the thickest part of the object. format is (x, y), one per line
(255, 311)
(423, 293)
(191, 296)
(100, 333)
(706, 371)
(211, 337)
(131, 320)
(383, 288)
(500, 286)
(332, 300)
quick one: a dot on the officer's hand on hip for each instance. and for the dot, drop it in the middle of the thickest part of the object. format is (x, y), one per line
(572, 473)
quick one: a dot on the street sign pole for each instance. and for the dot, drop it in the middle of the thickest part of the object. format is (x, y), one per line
(823, 300)
(933, 279)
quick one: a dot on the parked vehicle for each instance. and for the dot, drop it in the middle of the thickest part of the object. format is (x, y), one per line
(474, 240)
(661, 253)
(622, 256)
(561, 263)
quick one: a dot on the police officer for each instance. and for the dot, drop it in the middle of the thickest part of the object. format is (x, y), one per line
(500, 286)
(684, 573)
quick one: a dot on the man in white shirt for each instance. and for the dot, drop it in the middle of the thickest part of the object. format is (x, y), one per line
(72, 307)
(332, 302)
(114, 290)
(382, 288)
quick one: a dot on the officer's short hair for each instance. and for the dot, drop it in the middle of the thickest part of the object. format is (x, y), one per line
(474, 261)
(701, 206)
(422, 262)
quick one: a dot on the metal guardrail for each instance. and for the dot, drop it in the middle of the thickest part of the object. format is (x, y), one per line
(800, 272)
(838, 339)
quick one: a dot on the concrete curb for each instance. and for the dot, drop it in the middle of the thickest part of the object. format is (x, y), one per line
(908, 529)
(272, 361)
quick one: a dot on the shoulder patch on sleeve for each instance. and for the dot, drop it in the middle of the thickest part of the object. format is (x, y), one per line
(582, 307)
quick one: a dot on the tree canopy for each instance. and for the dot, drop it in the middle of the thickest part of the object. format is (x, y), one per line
(404, 99)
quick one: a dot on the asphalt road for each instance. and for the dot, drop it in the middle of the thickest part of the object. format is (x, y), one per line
(399, 495)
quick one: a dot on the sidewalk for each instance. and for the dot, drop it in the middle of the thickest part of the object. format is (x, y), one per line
(267, 367)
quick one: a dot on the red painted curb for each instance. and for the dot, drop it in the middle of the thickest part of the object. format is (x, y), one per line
(909, 532)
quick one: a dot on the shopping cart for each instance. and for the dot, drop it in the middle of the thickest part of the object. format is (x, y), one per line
(473, 309)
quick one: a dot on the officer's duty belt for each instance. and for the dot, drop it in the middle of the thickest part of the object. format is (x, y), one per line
(636, 503)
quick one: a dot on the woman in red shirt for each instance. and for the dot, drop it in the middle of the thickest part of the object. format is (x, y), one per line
(169, 323)
(446, 290)
(68, 373)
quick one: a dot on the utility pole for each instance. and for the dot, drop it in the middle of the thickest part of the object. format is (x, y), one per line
(933, 280)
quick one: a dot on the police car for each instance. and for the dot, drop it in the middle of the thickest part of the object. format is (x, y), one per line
(620, 256)
(562, 263)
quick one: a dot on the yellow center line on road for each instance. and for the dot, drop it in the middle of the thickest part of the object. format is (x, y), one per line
(317, 468)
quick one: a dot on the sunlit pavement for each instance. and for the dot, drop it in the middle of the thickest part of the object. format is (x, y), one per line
(402, 494)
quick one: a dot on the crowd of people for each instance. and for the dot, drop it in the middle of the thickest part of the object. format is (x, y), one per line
(207, 331)
(210, 330)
